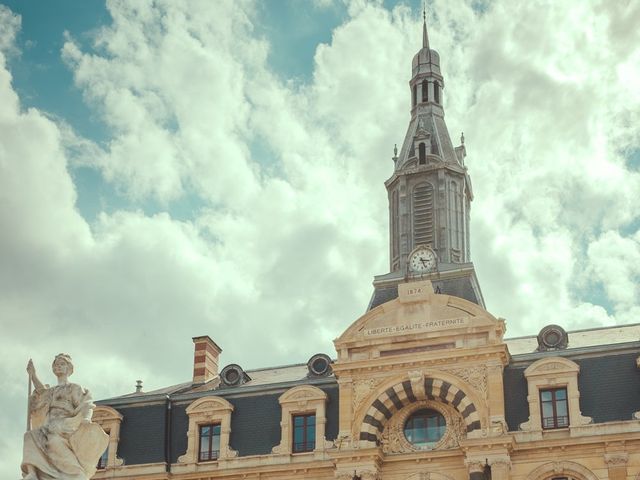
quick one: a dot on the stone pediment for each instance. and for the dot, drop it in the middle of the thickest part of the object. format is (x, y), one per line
(419, 314)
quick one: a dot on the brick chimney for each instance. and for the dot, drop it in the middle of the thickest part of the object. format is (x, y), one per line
(205, 359)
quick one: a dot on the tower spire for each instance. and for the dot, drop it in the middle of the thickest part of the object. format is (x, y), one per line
(425, 37)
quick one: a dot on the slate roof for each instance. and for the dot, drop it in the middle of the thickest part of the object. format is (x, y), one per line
(521, 349)
(436, 126)
(581, 338)
(154, 426)
(261, 379)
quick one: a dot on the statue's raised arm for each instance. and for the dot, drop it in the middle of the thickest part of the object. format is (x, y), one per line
(62, 442)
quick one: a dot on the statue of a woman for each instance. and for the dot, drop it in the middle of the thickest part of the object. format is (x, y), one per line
(62, 442)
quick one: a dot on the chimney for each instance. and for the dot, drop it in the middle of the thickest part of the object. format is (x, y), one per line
(205, 359)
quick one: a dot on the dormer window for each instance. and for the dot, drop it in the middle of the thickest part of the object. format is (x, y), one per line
(422, 154)
(425, 91)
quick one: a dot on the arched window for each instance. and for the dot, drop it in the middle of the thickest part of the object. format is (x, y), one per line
(425, 91)
(436, 92)
(422, 154)
(415, 95)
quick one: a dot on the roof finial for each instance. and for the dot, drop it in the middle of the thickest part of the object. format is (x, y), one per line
(462, 138)
(425, 37)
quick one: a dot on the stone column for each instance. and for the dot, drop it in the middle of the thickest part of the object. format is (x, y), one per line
(617, 465)
(495, 388)
(476, 469)
(500, 468)
(345, 393)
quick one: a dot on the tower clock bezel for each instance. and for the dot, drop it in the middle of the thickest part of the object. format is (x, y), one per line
(422, 259)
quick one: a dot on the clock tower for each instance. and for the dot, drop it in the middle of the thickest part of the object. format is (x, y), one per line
(429, 195)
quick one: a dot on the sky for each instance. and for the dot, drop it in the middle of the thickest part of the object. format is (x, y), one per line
(175, 169)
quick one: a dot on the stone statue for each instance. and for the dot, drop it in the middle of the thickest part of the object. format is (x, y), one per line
(61, 443)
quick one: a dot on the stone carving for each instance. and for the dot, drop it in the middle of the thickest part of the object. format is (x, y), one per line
(343, 476)
(62, 442)
(344, 441)
(428, 476)
(368, 475)
(362, 389)
(551, 366)
(498, 425)
(474, 465)
(475, 376)
(394, 441)
(500, 461)
(565, 468)
(417, 383)
(616, 459)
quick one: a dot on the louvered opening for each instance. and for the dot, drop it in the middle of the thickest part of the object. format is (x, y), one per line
(423, 214)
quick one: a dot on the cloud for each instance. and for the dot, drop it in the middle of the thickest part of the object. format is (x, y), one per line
(10, 27)
(614, 260)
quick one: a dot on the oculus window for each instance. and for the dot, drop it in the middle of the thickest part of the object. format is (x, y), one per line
(555, 410)
(424, 428)
(209, 442)
(304, 433)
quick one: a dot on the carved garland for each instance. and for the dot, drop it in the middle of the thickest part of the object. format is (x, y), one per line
(362, 389)
(475, 376)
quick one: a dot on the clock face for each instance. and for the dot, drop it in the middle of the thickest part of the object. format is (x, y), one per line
(422, 260)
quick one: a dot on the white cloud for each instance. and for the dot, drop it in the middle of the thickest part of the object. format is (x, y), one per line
(10, 27)
(615, 262)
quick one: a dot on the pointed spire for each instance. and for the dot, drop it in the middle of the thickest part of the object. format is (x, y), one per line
(425, 37)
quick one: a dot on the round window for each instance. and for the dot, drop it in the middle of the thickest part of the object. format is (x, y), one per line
(424, 428)
(232, 377)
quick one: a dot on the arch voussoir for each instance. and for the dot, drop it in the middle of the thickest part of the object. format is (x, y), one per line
(401, 394)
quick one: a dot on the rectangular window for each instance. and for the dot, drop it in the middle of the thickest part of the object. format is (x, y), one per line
(209, 442)
(555, 409)
(304, 433)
